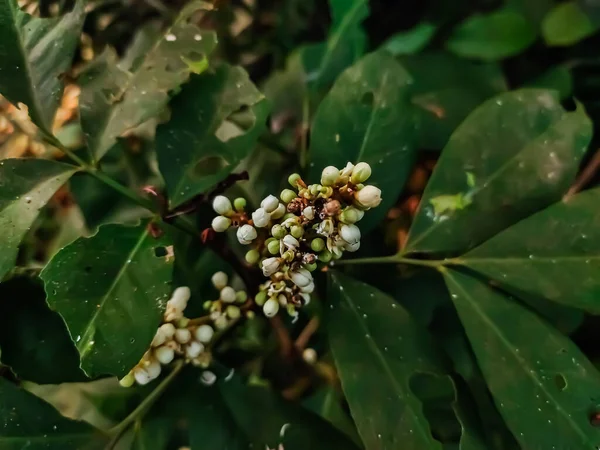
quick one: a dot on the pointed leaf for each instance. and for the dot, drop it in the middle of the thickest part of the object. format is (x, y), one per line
(208, 134)
(411, 41)
(567, 23)
(116, 98)
(520, 151)
(543, 385)
(25, 187)
(27, 422)
(34, 54)
(554, 254)
(110, 289)
(377, 127)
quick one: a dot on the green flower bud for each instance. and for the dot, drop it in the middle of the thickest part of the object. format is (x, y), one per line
(360, 173)
(317, 245)
(260, 298)
(349, 216)
(250, 315)
(278, 231)
(273, 247)
(233, 312)
(311, 267)
(241, 296)
(207, 304)
(127, 381)
(315, 189)
(252, 256)
(227, 294)
(287, 195)
(329, 176)
(293, 179)
(297, 231)
(325, 256)
(239, 203)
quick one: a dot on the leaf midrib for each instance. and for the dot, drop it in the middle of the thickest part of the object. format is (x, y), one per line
(475, 260)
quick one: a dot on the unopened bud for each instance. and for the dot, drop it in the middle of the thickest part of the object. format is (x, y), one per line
(204, 333)
(270, 203)
(219, 280)
(252, 256)
(309, 213)
(194, 349)
(368, 197)
(261, 218)
(349, 216)
(233, 312)
(260, 298)
(293, 179)
(239, 204)
(290, 242)
(308, 289)
(222, 205)
(273, 247)
(227, 294)
(271, 308)
(301, 277)
(270, 266)
(279, 212)
(317, 245)
(346, 172)
(309, 355)
(278, 232)
(241, 297)
(164, 354)
(325, 256)
(287, 195)
(179, 299)
(352, 247)
(297, 231)
(127, 381)
(360, 173)
(168, 330)
(221, 322)
(141, 376)
(220, 224)
(329, 176)
(183, 335)
(246, 234)
(350, 233)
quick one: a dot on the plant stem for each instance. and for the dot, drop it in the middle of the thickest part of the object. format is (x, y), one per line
(393, 259)
(304, 132)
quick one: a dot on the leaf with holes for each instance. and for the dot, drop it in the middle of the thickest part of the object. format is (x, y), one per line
(118, 97)
(543, 385)
(514, 155)
(215, 123)
(26, 185)
(35, 53)
(110, 289)
(377, 127)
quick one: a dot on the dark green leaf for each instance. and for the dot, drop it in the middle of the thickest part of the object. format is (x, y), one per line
(210, 131)
(25, 187)
(553, 254)
(286, 91)
(520, 150)
(116, 98)
(33, 340)
(34, 54)
(558, 78)
(411, 41)
(377, 126)
(27, 422)
(492, 36)
(566, 24)
(543, 385)
(110, 289)
(153, 433)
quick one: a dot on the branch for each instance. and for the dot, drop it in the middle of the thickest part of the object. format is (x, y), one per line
(311, 327)
(585, 176)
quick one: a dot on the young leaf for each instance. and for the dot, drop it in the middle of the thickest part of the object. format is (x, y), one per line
(115, 99)
(210, 131)
(554, 254)
(411, 41)
(110, 289)
(28, 422)
(543, 385)
(377, 127)
(521, 149)
(378, 348)
(35, 53)
(25, 187)
(567, 24)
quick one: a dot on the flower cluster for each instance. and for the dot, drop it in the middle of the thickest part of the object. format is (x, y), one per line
(306, 225)
(227, 307)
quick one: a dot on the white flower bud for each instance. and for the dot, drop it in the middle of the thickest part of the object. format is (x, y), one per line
(141, 376)
(270, 203)
(271, 308)
(361, 173)
(350, 233)
(368, 197)
(346, 172)
(309, 213)
(172, 314)
(326, 227)
(204, 333)
(352, 247)
(227, 294)
(221, 322)
(159, 339)
(270, 266)
(309, 355)
(246, 234)
(168, 329)
(261, 218)
(309, 288)
(183, 335)
(153, 369)
(329, 176)
(194, 349)
(220, 224)
(164, 354)
(219, 280)
(179, 298)
(222, 205)
(301, 277)
(290, 242)
(279, 212)
(305, 297)
(208, 378)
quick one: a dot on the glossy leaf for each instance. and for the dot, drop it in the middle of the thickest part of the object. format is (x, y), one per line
(377, 126)
(110, 289)
(35, 53)
(492, 36)
(153, 433)
(25, 187)
(378, 348)
(543, 385)
(554, 254)
(411, 41)
(116, 98)
(566, 24)
(27, 422)
(519, 151)
(210, 131)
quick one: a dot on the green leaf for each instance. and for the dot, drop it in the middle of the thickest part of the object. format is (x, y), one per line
(153, 433)
(377, 127)
(554, 254)
(567, 24)
(411, 41)
(543, 385)
(378, 348)
(27, 422)
(210, 131)
(34, 54)
(492, 36)
(345, 44)
(25, 187)
(523, 150)
(558, 78)
(268, 420)
(116, 98)
(110, 289)
(33, 340)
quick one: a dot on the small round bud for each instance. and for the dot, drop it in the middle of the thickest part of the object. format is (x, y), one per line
(271, 308)
(168, 329)
(308, 289)
(301, 277)
(219, 280)
(183, 322)
(279, 212)
(297, 231)
(141, 376)
(227, 295)
(273, 247)
(183, 335)
(127, 381)
(368, 197)
(252, 256)
(222, 205)
(360, 173)
(164, 354)
(278, 232)
(309, 213)
(330, 176)
(204, 333)
(221, 322)
(349, 216)
(309, 355)
(361, 214)
(270, 266)
(260, 298)
(270, 203)
(332, 207)
(246, 234)
(241, 297)
(352, 247)
(207, 304)
(317, 245)
(325, 256)
(208, 378)
(159, 339)
(311, 267)
(287, 195)
(233, 312)
(194, 349)
(153, 368)
(290, 242)
(261, 218)
(350, 233)
(239, 203)
(282, 299)
(220, 224)
(294, 178)
(179, 299)
(250, 315)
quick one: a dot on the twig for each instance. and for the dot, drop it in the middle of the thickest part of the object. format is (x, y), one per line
(285, 341)
(311, 327)
(585, 176)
